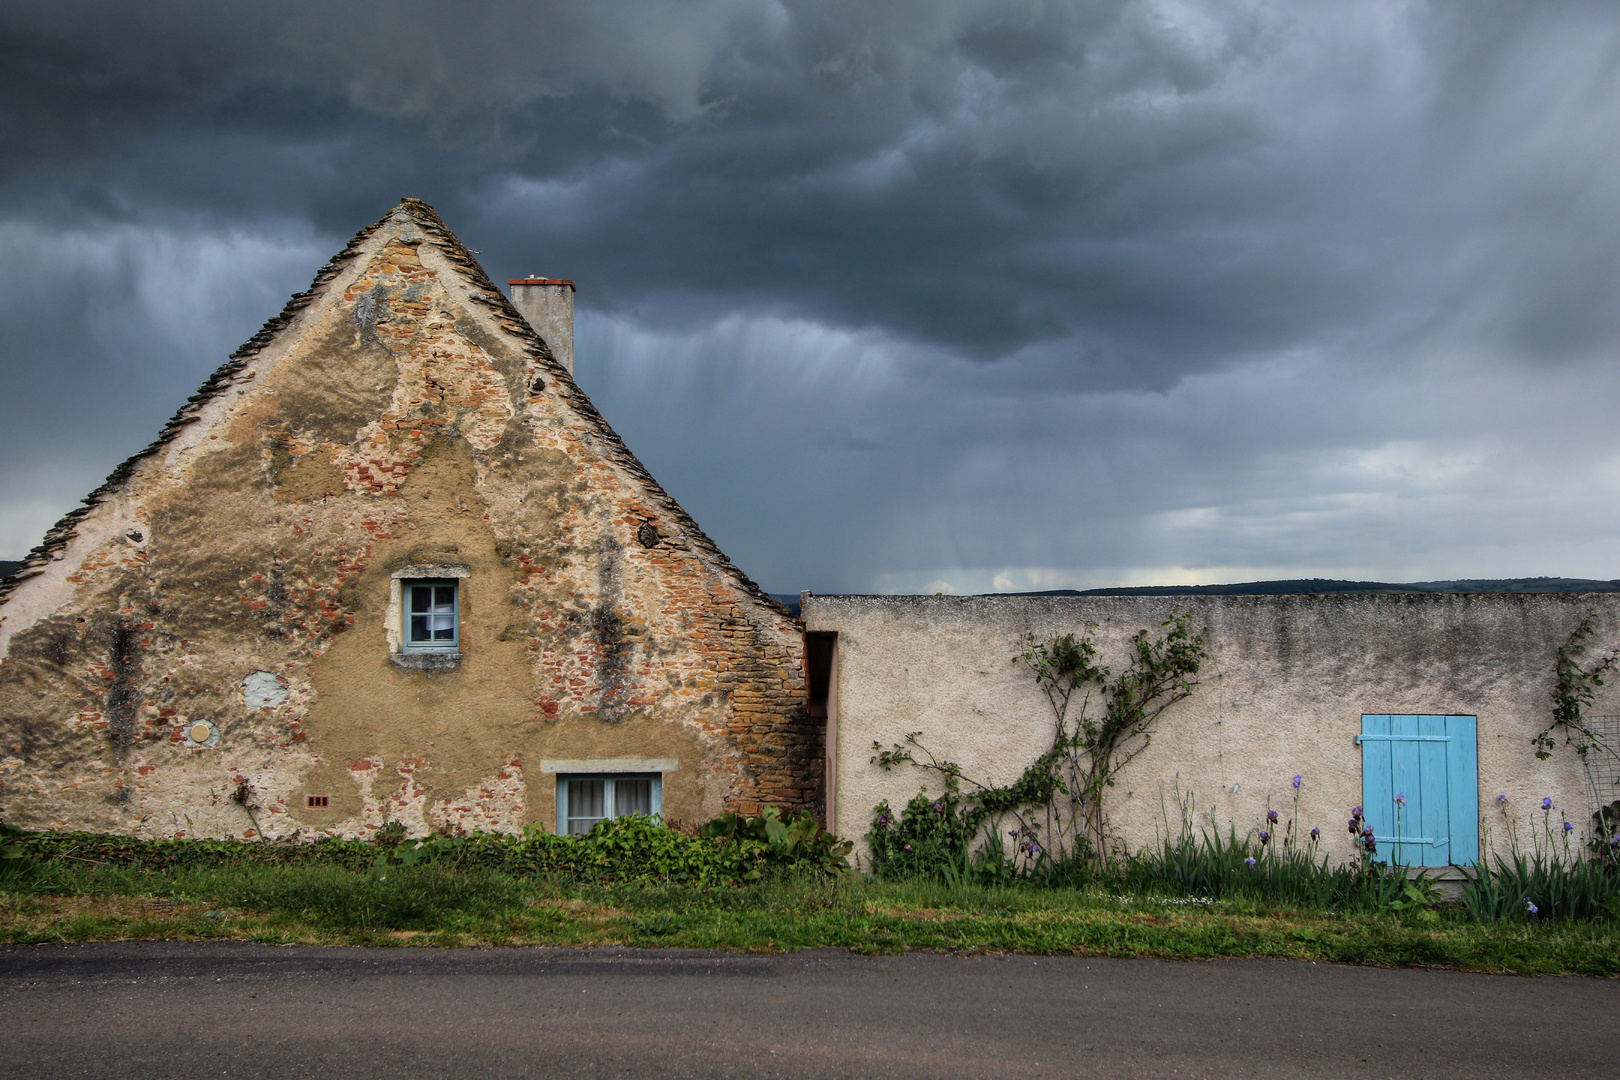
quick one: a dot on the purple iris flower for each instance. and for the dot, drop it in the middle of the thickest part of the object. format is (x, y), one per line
(1547, 803)
(1355, 826)
(1530, 907)
(1298, 780)
(1265, 837)
(1400, 800)
(1249, 862)
(1501, 800)
(1568, 828)
(1355, 811)
(1316, 834)
(1271, 816)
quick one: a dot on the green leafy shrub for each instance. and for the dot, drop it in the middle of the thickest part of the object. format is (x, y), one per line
(943, 838)
(932, 837)
(798, 841)
(633, 848)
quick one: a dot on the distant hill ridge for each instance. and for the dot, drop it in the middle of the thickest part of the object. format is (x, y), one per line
(1305, 586)
(1298, 586)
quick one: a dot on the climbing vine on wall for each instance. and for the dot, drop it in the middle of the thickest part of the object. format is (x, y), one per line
(1573, 690)
(1101, 721)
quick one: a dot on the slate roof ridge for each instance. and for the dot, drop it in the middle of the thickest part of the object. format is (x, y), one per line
(58, 536)
(563, 382)
(62, 533)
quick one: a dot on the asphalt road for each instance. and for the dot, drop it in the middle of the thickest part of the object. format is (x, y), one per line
(175, 1010)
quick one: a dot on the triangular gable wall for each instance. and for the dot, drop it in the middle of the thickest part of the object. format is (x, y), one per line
(242, 573)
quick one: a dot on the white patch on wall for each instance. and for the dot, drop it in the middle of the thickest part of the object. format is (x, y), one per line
(262, 690)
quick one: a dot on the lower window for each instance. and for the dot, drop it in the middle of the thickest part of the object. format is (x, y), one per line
(583, 800)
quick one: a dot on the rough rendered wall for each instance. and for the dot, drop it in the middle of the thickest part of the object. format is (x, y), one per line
(1283, 694)
(399, 414)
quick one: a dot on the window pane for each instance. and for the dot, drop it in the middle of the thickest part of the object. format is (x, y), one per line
(632, 797)
(585, 798)
(432, 615)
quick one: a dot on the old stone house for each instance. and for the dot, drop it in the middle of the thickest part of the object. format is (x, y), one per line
(389, 564)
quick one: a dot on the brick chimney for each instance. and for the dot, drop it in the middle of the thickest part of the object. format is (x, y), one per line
(548, 305)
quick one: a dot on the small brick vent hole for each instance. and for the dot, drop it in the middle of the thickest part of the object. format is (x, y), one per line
(319, 800)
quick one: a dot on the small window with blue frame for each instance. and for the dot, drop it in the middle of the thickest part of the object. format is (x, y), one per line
(432, 616)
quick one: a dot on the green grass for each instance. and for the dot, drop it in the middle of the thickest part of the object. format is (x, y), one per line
(442, 905)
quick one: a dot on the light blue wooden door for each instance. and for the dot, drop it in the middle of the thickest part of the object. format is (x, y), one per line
(1420, 788)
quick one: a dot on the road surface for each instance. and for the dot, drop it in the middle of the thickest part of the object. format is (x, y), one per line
(154, 1009)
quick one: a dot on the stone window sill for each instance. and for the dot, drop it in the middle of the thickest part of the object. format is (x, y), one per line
(426, 661)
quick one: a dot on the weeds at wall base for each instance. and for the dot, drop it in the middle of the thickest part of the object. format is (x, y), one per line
(1276, 865)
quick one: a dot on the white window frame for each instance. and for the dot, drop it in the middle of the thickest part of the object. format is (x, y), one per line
(609, 796)
(408, 587)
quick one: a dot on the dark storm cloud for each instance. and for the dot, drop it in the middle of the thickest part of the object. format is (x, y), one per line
(858, 162)
(988, 291)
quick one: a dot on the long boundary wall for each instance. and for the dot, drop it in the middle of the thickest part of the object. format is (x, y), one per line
(1283, 693)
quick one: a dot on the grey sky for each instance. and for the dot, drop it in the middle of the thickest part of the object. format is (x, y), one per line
(905, 296)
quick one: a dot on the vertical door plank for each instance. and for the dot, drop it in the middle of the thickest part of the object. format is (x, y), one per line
(1429, 812)
(1462, 788)
(1406, 781)
(1377, 794)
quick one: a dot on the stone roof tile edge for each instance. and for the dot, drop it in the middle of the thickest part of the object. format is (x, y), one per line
(622, 455)
(58, 536)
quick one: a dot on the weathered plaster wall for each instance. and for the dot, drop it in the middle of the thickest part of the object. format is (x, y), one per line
(398, 414)
(1283, 694)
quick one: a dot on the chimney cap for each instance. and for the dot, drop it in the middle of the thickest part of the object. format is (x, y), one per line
(541, 281)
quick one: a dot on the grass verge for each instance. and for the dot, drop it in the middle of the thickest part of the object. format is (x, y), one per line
(434, 905)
